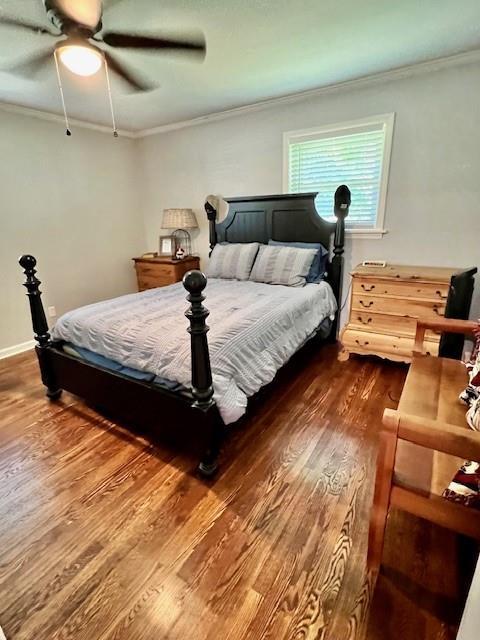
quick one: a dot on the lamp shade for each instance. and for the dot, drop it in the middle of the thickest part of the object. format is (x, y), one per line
(179, 219)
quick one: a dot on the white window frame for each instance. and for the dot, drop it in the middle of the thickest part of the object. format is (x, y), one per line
(387, 121)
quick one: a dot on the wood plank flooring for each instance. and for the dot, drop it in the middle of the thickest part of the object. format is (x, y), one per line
(109, 535)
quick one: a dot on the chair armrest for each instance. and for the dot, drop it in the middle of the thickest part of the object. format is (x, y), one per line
(450, 325)
(434, 434)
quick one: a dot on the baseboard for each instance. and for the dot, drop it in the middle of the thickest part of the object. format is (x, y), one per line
(16, 348)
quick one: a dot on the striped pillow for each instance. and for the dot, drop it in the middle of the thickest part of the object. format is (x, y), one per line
(232, 261)
(282, 265)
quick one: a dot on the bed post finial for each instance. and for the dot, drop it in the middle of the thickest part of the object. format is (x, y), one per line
(341, 206)
(211, 206)
(202, 389)
(39, 324)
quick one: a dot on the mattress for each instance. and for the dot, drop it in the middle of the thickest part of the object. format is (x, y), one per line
(106, 363)
(254, 329)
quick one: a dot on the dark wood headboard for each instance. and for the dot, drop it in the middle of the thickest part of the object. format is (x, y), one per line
(286, 218)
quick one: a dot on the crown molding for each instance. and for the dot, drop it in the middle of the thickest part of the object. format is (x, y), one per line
(376, 78)
(54, 117)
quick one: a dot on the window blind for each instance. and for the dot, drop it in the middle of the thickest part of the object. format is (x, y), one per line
(323, 162)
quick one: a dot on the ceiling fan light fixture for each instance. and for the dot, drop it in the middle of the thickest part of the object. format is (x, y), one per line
(81, 60)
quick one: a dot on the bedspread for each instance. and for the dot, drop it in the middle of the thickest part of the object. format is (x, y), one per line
(254, 329)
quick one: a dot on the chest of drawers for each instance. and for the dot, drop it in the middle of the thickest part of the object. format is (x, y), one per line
(386, 302)
(160, 271)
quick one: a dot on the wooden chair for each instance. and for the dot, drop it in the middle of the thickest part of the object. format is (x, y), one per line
(423, 443)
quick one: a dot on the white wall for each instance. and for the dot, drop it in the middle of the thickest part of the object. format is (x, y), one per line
(433, 203)
(72, 203)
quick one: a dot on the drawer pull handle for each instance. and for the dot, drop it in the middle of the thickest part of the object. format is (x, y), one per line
(436, 310)
(367, 305)
(365, 343)
(367, 321)
(440, 294)
(367, 287)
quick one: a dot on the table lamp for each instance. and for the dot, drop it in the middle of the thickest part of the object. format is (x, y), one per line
(180, 220)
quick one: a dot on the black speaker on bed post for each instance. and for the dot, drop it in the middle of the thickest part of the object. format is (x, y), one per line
(342, 202)
(40, 326)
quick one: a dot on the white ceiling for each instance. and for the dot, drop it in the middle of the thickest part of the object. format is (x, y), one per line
(256, 49)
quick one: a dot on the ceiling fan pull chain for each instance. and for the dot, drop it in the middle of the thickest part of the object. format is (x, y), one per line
(68, 132)
(109, 91)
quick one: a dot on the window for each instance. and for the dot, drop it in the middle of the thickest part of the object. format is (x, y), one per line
(353, 153)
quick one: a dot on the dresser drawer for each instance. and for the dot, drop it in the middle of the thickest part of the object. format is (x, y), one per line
(151, 282)
(385, 323)
(387, 346)
(412, 289)
(413, 307)
(145, 270)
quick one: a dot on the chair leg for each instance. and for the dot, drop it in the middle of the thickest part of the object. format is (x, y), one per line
(381, 499)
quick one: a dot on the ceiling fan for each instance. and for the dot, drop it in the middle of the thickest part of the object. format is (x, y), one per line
(79, 31)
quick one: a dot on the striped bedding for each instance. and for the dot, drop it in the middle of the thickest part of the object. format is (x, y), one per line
(254, 329)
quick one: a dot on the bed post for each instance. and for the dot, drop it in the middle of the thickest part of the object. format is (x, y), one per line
(212, 216)
(202, 388)
(40, 326)
(342, 204)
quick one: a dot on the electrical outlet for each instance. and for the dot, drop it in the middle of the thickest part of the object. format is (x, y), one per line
(52, 312)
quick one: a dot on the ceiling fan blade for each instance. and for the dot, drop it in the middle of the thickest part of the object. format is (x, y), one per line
(31, 66)
(137, 83)
(194, 45)
(26, 26)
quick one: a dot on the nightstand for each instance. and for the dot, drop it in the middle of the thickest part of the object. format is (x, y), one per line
(161, 271)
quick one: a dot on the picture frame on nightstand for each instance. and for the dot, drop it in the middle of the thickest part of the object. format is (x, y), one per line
(166, 246)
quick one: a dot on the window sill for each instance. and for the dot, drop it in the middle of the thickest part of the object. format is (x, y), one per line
(366, 234)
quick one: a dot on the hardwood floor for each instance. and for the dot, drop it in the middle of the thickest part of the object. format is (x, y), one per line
(108, 535)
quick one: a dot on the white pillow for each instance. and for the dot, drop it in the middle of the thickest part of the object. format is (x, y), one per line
(232, 261)
(282, 265)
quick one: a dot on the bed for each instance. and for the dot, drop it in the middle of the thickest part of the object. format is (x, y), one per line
(133, 352)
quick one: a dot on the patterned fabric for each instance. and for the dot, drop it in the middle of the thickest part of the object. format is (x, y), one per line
(318, 268)
(471, 394)
(465, 486)
(282, 265)
(473, 415)
(232, 261)
(472, 391)
(254, 329)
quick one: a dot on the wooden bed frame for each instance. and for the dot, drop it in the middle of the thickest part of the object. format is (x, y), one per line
(288, 218)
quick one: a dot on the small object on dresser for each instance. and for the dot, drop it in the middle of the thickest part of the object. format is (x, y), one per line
(386, 302)
(374, 263)
(180, 253)
(161, 271)
(166, 246)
